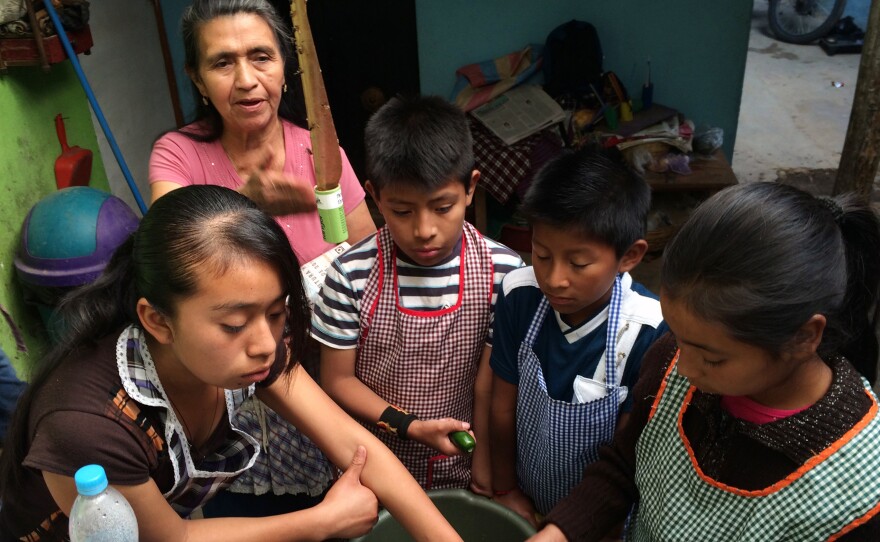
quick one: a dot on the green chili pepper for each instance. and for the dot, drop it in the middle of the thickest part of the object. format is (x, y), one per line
(463, 441)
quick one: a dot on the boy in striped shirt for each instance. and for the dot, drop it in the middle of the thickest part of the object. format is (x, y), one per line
(405, 316)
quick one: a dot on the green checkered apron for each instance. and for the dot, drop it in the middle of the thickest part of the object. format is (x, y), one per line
(836, 490)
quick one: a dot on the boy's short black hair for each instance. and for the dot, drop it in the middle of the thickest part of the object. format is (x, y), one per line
(593, 192)
(419, 141)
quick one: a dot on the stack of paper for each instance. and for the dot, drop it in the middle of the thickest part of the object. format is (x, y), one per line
(519, 113)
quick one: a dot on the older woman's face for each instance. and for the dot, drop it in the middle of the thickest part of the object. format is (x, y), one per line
(241, 71)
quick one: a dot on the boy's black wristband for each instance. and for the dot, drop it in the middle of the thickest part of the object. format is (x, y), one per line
(404, 425)
(396, 420)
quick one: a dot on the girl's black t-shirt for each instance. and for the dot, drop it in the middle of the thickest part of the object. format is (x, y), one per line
(82, 416)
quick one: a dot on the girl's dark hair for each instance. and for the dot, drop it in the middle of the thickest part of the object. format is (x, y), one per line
(184, 234)
(593, 192)
(292, 107)
(762, 258)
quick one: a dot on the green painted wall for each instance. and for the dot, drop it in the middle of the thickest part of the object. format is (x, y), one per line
(29, 101)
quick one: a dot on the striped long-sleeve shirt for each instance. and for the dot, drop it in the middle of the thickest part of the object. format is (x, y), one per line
(336, 317)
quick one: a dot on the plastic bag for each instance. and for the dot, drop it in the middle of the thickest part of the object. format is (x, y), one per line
(708, 140)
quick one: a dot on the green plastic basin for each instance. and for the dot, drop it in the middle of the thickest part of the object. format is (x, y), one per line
(475, 518)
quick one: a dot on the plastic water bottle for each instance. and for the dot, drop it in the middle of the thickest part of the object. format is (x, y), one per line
(100, 513)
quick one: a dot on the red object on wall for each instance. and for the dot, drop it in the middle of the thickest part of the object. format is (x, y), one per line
(74, 166)
(25, 51)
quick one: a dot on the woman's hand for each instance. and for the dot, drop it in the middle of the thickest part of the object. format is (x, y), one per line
(520, 503)
(351, 508)
(279, 194)
(301, 401)
(435, 434)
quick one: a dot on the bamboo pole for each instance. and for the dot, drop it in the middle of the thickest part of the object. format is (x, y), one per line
(861, 149)
(325, 145)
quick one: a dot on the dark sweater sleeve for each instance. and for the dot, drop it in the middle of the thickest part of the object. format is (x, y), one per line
(607, 491)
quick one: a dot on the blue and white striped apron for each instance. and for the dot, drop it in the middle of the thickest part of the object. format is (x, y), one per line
(557, 439)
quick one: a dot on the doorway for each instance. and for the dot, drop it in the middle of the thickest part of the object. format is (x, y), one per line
(368, 52)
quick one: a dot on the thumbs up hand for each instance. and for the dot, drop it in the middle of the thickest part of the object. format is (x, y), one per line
(351, 508)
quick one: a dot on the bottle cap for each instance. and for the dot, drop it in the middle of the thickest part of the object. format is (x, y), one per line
(90, 480)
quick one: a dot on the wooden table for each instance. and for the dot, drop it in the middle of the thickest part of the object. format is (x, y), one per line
(709, 175)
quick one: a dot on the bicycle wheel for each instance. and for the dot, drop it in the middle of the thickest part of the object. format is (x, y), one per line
(803, 21)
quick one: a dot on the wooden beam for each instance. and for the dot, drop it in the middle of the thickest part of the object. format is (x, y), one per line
(169, 64)
(861, 149)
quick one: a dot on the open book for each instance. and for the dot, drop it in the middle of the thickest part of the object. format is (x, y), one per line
(519, 113)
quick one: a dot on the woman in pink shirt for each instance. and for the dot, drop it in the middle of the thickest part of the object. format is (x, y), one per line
(250, 137)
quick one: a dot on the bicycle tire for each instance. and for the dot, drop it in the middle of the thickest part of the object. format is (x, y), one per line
(803, 21)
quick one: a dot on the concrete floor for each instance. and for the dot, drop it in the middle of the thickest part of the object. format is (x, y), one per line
(792, 115)
(792, 121)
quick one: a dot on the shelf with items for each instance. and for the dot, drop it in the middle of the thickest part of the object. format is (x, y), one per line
(675, 195)
(707, 175)
(35, 49)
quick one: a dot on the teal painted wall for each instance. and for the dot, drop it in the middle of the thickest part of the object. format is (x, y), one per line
(29, 101)
(172, 11)
(697, 48)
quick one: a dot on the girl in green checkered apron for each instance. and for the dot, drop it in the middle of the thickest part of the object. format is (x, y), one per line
(754, 418)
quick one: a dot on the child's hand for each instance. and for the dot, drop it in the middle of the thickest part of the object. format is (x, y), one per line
(520, 503)
(435, 434)
(550, 533)
(351, 509)
(481, 473)
(480, 489)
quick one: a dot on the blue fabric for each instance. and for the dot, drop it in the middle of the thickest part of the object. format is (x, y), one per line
(228, 504)
(555, 440)
(612, 325)
(11, 389)
(561, 361)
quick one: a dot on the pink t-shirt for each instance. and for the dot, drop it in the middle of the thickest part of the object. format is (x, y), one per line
(754, 412)
(179, 159)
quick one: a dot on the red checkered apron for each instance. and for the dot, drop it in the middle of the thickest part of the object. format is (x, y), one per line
(425, 362)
